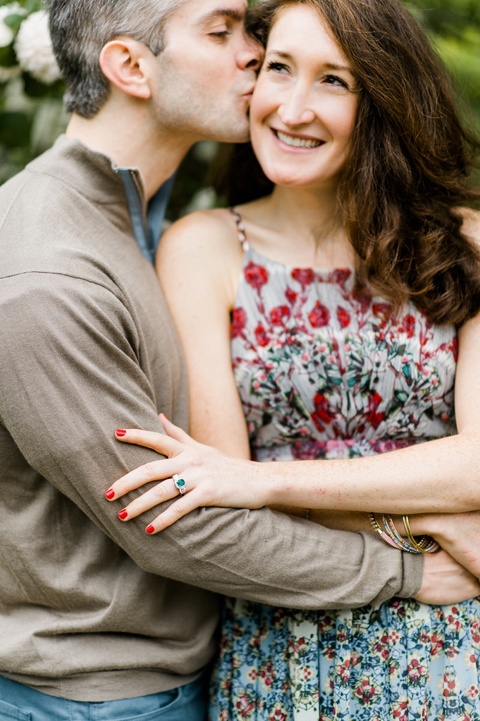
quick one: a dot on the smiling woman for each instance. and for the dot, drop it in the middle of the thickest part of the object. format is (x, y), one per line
(334, 322)
(305, 105)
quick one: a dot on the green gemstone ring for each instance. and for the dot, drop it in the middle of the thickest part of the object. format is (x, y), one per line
(180, 484)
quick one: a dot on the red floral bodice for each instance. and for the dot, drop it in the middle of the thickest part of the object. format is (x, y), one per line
(325, 372)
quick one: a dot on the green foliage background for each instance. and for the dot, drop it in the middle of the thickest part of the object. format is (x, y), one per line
(454, 26)
(31, 114)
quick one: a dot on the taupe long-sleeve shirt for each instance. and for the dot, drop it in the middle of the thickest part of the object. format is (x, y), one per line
(90, 608)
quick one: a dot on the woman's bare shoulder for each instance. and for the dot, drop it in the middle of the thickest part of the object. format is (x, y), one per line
(205, 240)
(200, 229)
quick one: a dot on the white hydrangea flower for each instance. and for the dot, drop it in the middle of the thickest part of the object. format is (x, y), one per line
(6, 34)
(34, 48)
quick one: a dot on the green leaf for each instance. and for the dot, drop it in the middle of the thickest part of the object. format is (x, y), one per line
(406, 371)
(15, 129)
(33, 5)
(14, 21)
(35, 89)
(8, 58)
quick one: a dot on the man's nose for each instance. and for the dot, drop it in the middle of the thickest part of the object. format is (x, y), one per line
(250, 55)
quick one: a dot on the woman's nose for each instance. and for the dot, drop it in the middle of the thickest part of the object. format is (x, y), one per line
(295, 112)
(296, 107)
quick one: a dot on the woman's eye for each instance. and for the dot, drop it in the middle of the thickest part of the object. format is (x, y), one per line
(276, 67)
(335, 80)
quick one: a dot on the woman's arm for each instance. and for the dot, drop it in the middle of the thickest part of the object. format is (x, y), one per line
(458, 534)
(199, 265)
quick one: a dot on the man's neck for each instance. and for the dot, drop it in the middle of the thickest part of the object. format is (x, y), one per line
(128, 140)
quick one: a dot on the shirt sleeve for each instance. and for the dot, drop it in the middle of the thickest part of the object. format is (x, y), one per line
(71, 374)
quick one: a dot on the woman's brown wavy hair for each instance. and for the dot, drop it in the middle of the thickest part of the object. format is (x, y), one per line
(410, 160)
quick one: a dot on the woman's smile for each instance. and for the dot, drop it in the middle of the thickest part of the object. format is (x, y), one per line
(297, 141)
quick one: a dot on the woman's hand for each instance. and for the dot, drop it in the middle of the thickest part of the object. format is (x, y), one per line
(451, 575)
(445, 581)
(457, 533)
(211, 478)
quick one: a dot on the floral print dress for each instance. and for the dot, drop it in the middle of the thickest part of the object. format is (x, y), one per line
(324, 372)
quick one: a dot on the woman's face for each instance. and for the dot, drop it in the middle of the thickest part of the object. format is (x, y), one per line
(304, 106)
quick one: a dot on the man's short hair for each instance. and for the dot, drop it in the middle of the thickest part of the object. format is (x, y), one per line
(81, 28)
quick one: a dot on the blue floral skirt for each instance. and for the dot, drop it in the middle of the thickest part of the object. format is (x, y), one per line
(400, 661)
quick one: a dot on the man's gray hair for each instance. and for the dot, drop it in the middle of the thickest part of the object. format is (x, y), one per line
(79, 30)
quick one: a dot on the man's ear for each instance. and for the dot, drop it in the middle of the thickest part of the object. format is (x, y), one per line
(125, 63)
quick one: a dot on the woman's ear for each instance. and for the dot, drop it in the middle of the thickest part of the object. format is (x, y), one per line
(124, 62)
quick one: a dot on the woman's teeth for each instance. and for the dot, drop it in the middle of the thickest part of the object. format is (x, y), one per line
(298, 142)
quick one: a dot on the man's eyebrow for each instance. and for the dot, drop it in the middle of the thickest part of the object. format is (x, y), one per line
(229, 13)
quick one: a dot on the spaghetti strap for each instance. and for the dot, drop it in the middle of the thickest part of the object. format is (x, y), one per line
(240, 229)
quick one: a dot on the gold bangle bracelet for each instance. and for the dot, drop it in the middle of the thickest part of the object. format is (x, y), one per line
(425, 544)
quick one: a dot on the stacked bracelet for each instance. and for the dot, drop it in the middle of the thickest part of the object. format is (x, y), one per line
(392, 531)
(377, 528)
(425, 544)
(390, 535)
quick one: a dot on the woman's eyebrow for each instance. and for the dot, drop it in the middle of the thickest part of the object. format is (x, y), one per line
(328, 66)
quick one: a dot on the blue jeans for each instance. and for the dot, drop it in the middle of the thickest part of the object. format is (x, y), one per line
(22, 703)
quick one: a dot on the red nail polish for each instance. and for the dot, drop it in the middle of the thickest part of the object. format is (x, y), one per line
(110, 494)
(150, 529)
(122, 514)
(120, 432)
